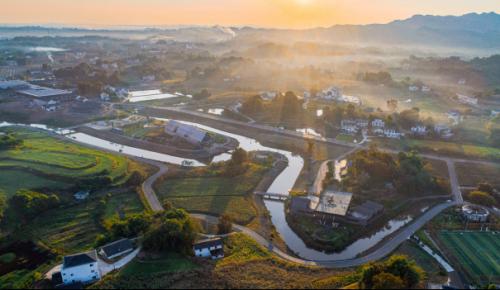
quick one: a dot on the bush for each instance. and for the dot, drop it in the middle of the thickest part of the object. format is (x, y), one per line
(174, 231)
(31, 203)
(225, 225)
(482, 198)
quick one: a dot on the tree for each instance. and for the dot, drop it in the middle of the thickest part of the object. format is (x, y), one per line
(387, 281)
(132, 226)
(252, 105)
(225, 225)
(9, 141)
(482, 198)
(3, 204)
(485, 187)
(31, 203)
(239, 156)
(203, 94)
(174, 230)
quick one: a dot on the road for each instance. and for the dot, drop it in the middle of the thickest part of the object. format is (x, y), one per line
(384, 250)
(147, 186)
(290, 133)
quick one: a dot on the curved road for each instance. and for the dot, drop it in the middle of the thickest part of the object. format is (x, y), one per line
(386, 249)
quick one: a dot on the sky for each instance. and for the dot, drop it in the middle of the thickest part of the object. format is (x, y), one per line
(262, 13)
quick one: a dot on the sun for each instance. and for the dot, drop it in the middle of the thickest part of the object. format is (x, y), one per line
(303, 2)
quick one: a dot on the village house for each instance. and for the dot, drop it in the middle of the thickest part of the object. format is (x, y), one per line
(211, 248)
(80, 268)
(332, 93)
(425, 89)
(349, 126)
(116, 249)
(472, 101)
(443, 130)
(365, 213)
(189, 133)
(268, 96)
(419, 130)
(413, 88)
(378, 123)
(474, 213)
(82, 195)
(300, 205)
(392, 133)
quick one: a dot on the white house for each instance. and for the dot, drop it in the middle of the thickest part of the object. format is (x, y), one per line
(332, 93)
(80, 268)
(116, 249)
(426, 89)
(475, 213)
(413, 88)
(443, 130)
(392, 133)
(211, 248)
(362, 123)
(419, 130)
(82, 195)
(268, 96)
(473, 101)
(455, 116)
(189, 133)
(378, 123)
(349, 126)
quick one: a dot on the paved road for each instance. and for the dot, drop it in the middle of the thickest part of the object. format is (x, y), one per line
(147, 186)
(386, 249)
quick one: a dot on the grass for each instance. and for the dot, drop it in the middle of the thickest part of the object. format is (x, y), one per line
(7, 258)
(74, 228)
(168, 263)
(446, 148)
(215, 195)
(470, 174)
(9, 182)
(246, 265)
(45, 155)
(345, 138)
(435, 273)
(476, 253)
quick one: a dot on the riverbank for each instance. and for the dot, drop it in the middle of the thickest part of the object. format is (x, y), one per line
(201, 155)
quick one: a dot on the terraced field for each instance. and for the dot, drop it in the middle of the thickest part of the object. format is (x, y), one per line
(47, 162)
(214, 195)
(477, 253)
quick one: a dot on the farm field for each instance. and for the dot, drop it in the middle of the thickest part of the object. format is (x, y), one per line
(476, 253)
(445, 148)
(214, 195)
(74, 228)
(470, 174)
(44, 161)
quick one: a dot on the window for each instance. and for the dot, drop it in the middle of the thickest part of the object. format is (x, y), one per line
(91, 265)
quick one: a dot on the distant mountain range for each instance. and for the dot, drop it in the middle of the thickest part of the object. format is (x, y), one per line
(469, 31)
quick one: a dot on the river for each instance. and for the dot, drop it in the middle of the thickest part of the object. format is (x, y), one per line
(282, 184)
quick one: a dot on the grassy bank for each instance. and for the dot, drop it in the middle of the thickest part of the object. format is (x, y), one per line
(246, 265)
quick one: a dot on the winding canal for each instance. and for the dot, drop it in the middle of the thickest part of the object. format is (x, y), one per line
(282, 184)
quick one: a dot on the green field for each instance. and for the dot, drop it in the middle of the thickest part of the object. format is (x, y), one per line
(44, 161)
(75, 228)
(477, 253)
(215, 195)
(168, 263)
(445, 148)
(10, 181)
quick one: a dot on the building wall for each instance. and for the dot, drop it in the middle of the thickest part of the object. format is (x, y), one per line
(83, 273)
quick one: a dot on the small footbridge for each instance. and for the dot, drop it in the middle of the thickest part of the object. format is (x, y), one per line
(272, 195)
